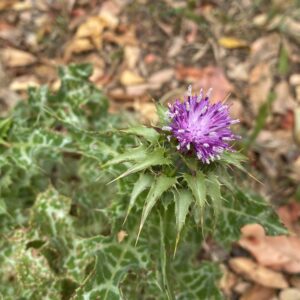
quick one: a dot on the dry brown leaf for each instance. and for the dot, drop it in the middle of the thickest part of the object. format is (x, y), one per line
(6, 4)
(258, 292)
(292, 28)
(277, 252)
(284, 100)
(12, 57)
(162, 76)
(92, 29)
(209, 77)
(128, 38)
(78, 46)
(176, 46)
(22, 83)
(232, 43)
(121, 235)
(259, 274)
(147, 111)
(128, 78)
(228, 281)
(260, 82)
(289, 294)
(296, 170)
(289, 215)
(131, 56)
(22, 5)
(265, 49)
(297, 125)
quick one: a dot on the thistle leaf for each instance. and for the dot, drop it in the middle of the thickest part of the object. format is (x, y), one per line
(199, 283)
(135, 154)
(241, 209)
(155, 158)
(214, 192)
(198, 188)
(143, 183)
(149, 134)
(162, 184)
(183, 200)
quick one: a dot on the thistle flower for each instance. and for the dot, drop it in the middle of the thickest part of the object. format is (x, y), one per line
(201, 127)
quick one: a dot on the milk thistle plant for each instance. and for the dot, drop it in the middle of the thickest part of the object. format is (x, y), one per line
(92, 209)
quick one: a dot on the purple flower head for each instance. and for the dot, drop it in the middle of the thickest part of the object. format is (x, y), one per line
(201, 127)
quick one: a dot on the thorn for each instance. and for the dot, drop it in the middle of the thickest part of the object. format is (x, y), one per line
(187, 104)
(208, 94)
(189, 91)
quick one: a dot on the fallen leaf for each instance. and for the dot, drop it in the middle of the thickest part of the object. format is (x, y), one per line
(241, 287)
(296, 170)
(260, 81)
(92, 28)
(277, 252)
(176, 46)
(131, 55)
(78, 46)
(162, 76)
(22, 5)
(147, 111)
(209, 77)
(289, 215)
(264, 293)
(265, 49)
(6, 4)
(292, 28)
(295, 281)
(232, 43)
(295, 79)
(284, 100)
(228, 281)
(121, 235)
(256, 273)
(130, 78)
(289, 294)
(22, 83)
(12, 57)
(297, 125)
(128, 37)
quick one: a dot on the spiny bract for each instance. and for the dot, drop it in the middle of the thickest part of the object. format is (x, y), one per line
(201, 127)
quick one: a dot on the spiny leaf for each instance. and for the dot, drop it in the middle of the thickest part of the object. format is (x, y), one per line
(199, 283)
(214, 192)
(241, 209)
(183, 200)
(164, 259)
(135, 154)
(154, 158)
(113, 261)
(149, 134)
(143, 183)
(162, 184)
(198, 188)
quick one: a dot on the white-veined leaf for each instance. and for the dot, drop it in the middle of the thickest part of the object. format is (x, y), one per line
(162, 184)
(154, 158)
(135, 154)
(198, 188)
(144, 181)
(148, 133)
(183, 200)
